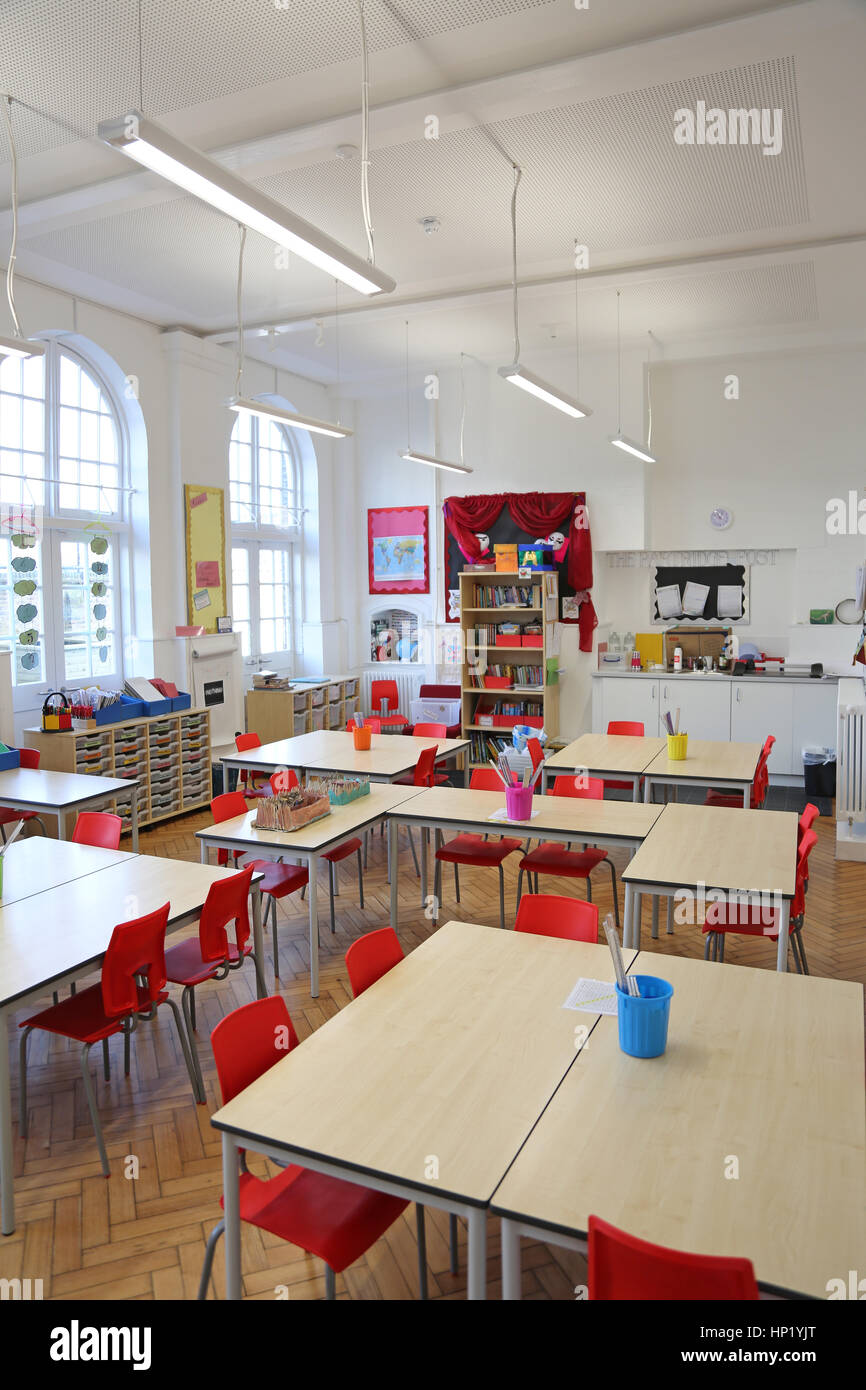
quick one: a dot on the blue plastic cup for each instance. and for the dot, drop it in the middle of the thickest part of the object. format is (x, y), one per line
(643, 1019)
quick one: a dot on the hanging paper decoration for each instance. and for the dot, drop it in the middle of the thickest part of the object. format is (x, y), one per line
(24, 587)
(23, 564)
(26, 612)
(99, 545)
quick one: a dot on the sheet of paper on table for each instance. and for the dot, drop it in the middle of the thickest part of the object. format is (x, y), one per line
(502, 814)
(593, 997)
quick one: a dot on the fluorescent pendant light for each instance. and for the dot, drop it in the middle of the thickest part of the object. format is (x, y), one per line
(20, 347)
(152, 146)
(638, 450)
(527, 381)
(245, 406)
(412, 456)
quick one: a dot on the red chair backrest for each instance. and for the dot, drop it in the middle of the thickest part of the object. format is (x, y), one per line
(371, 957)
(548, 914)
(536, 752)
(384, 690)
(623, 1267)
(249, 1041)
(100, 828)
(29, 757)
(430, 731)
(626, 726)
(807, 819)
(590, 787)
(426, 766)
(228, 805)
(808, 841)
(484, 779)
(136, 948)
(226, 902)
(283, 781)
(245, 741)
(374, 725)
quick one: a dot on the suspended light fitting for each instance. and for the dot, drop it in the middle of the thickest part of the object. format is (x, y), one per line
(516, 373)
(412, 455)
(18, 346)
(619, 440)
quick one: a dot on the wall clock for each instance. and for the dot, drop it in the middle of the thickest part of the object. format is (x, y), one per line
(720, 518)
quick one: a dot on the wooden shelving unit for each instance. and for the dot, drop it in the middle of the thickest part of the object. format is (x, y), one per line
(170, 755)
(477, 655)
(302, 708)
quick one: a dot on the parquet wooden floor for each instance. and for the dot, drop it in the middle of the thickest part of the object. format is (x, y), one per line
(143, 1237)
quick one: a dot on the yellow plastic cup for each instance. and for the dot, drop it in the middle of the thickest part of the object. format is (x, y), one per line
(677, 745)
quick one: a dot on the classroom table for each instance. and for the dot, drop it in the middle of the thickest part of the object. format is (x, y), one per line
(621, 757)
(32, 865)
(746, 1138)
(306, 845)
(60, 934)
(58, 793)
(389, 757)
(728, 766)
(427, 1085)
(602, 823)
(711, 847)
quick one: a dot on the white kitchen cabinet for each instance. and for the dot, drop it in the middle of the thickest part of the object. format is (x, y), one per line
(704, 703)
(814, 718)
(623, 697)
(765, 706)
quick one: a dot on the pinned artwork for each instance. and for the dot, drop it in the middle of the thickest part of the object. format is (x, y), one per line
(397, 539)
(205, 555)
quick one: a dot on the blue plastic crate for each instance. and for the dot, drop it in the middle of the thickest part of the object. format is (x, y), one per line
(150, 708)
(180, 701)
(125, 708)
(11, 758)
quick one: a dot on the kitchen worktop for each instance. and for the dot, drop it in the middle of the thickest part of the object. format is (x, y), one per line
(767, 677)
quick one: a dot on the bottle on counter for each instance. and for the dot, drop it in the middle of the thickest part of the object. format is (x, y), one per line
(678, 658)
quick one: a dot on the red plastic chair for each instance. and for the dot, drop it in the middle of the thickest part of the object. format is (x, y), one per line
(211, 955)
(475, 850)
(633, 728)
(547, 914)
(535, 751)
(374, 725)
(371, 957)
(335, 1220)
(551, 857)
(252, 783)
(27, 757)
(279, 879)
(621, 1267)
(283, 781)
(99, 828)
(387, 690)
(760, 783)
(131, 990)
(807, 819)
(744, 919)
(430, 731)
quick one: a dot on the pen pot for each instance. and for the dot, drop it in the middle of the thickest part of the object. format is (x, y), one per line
(643, 1019)
(518, 803)
(362, 737)
(677, 746)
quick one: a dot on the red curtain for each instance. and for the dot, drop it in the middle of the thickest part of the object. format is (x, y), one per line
(537, 513)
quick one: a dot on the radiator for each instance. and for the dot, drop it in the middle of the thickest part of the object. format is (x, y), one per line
(851, 772)
(408, 685)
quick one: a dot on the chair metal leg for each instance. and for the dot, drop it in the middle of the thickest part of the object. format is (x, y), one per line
(412, 847)
(188, 1046)
(456, 882)
(360, 880)
(437, 890)
(588, 890)
(106, 1062)
(331, 893)
(799, 940)
(535, 890)
(126, 1034)
(192, 1009)
(613, 886)
(422, 1250)
(366, 846)
(330, 1284)
(22, 1093)
(501, 898)
(452, 1242)
(520, 874)
(209, 1252)
(272, 908)
(708, 946)
(94, 1113)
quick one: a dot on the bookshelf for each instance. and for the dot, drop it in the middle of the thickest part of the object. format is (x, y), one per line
(504, 676)
(302, 707)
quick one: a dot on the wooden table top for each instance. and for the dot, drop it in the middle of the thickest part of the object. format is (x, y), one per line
(585, 817)
(760, 1067)
(450, 1057)
(733, 849)
(331, 750)
(706, 761)
(57, 790)
(319, 834)
(38, 864)
(69, 927)
(607, 753)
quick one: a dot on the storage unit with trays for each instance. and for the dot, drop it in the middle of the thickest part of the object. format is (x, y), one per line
(525, 687)
(302, 707)
(168, 753)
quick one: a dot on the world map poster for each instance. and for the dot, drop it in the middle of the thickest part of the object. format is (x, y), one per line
(397, 539)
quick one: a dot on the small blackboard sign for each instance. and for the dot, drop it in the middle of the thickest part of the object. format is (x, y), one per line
(214, 693)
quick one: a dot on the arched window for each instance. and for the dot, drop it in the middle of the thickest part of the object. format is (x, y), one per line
(62, 520)
(266, 515)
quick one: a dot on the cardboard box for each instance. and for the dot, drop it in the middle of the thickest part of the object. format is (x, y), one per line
(506, 557)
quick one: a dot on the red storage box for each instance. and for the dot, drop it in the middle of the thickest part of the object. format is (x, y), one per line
(497, 683)
(532, 641)
(508, 721)
(508, 639)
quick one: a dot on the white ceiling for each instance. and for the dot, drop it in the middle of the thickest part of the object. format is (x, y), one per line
(703, 241)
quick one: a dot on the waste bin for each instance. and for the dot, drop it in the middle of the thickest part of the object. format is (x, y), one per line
(819, 773)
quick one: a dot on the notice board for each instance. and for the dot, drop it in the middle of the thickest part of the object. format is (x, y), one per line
(205, 555)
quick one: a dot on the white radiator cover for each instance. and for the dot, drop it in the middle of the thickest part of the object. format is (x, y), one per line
(408, 685)
(851, 772)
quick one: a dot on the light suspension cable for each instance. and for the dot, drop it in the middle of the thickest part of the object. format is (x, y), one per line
(518, 174)
(240, 308)
(365, 137)
(17, 346)
(619, 440)
(411, 455)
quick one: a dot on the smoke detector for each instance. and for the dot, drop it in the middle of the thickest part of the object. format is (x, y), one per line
(429, 225)
(346, 151)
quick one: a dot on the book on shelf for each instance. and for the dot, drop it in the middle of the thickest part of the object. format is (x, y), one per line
(516, 675)
(505, 596)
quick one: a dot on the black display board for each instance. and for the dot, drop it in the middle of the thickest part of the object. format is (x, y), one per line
(713, 576)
